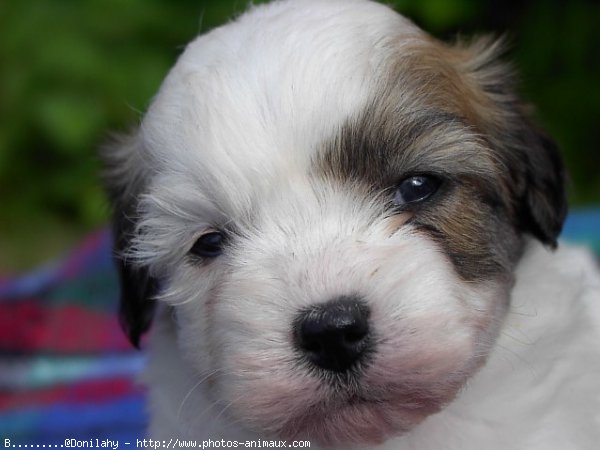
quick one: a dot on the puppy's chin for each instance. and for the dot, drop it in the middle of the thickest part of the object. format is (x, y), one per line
(347, 419)
(350, 411)
(354, 421)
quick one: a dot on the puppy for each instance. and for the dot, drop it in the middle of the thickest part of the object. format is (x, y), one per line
(341, 228)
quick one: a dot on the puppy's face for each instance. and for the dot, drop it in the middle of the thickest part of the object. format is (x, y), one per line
(333, 204)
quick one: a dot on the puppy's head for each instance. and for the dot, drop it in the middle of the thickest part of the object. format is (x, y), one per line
(332, 202)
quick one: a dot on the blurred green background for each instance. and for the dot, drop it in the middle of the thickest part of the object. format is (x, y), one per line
(71, 71)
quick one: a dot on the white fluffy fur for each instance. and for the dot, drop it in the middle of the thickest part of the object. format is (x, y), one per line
(229, 140)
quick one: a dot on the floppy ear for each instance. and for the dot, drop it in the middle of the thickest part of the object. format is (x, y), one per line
(137, 287)
(124, 181)
(542, 207)
(534, 172)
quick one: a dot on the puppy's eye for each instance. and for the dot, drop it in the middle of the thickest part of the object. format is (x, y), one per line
(209, 245)
(415, 189)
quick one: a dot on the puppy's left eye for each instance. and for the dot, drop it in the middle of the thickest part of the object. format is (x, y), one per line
(415, 189)
(209, 245)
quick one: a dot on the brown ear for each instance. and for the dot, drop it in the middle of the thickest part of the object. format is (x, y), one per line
(542, 207)
(534, 174)
(124, 181)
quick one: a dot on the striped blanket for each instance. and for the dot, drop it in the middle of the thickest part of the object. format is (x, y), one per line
(66, 370)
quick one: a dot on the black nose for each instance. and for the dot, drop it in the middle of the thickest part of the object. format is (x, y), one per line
(334, 335)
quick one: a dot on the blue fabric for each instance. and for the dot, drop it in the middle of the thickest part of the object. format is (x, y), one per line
(583, 227)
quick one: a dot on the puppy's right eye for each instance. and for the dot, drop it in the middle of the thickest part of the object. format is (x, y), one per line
(415, 189)
(209, 245)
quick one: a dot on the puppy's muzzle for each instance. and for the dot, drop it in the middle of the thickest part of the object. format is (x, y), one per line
(336, 335)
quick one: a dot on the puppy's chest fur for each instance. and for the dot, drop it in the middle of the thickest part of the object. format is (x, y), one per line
(538, 390)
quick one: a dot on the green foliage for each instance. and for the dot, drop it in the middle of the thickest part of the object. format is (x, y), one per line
(71, 71)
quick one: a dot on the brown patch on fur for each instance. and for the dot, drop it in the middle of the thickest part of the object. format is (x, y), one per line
(446, 88)
(477, 237)
(470, 81)
(452, 112)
